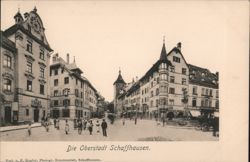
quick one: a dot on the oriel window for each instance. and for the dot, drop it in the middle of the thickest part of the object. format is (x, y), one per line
(7, 61)
(29, 46)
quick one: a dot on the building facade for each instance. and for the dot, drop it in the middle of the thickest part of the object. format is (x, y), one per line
(170, 88)
(31, 90)
(72, 95)
(8, 104)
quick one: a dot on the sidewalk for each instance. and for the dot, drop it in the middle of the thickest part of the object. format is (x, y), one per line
(17, 127)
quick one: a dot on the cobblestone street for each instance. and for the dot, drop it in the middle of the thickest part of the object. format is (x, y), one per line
(145, 130)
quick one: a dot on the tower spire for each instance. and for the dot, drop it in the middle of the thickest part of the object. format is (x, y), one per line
(163, 50)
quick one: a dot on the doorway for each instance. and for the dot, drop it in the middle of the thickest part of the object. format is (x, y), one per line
(7, 114)
(36, 115)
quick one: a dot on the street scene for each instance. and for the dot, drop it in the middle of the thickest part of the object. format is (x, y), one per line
(47, 95)
(115, 132)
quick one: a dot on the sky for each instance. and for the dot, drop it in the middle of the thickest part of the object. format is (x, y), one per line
(104, 36)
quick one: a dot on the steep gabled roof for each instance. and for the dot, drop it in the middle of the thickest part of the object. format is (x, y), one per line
(11, 30)
(202, 76)
(119, 79)
(162, 59)
(6, 43)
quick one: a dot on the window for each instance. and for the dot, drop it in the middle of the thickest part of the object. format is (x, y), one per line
(55, 92)
(172, 68)
(157, 91)
(152, 93)
(206, 103)
(7, 85)
(172, 79)
(176, 59)
(41, 53)
(81, 84)
(66, 80)
(152, 103)
(171, 90)
(157, 80)
(184, 81)
(210, 103)
(195, 90)
(55, 102)
(62, 70)
(217, 94)
(56, 71)
(27, 112)
(171, 102)
(29, 67)
(211, 92)
(76, 102)
(29, 85)
(202, 103)
(202, 91)
(66, 91)
(41, 72)
(184, 71)
(81, 94)
(76, 92)
(66, 102)
(156, 103)
(194, 102)
(29, 46)
(41, 89)
(207, 92)
(76, 81)
(217, 104)
(56, 82)
(7, 61)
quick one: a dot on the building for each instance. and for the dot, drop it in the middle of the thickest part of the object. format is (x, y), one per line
(30, 66)
(8, 104)
(168, 89)
(72, 95)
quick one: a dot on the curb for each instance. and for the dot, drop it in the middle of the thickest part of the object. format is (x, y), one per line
(19, 128)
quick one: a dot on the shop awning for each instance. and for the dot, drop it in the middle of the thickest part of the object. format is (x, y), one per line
(195, 113)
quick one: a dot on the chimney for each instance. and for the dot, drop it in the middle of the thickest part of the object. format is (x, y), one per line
(179, 46)
(67, 58)
(136, 78)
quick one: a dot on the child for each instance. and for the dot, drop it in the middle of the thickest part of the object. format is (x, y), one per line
(29, 129)
(98, 126)
(66, 127)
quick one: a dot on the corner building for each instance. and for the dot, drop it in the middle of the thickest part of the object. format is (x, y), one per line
(167, 89)
(72, 95)
(31, 85)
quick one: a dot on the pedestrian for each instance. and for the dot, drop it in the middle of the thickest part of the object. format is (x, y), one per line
(29, 129)
(80, 126)
(67, 127)
(84, 124)
(123, 121)
(54, 122)
(90, 127)
(163, 121)
(47, 126)
(104, 128)
(98, 126)
(57, 124)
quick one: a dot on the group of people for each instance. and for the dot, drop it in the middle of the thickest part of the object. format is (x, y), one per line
(85, 125)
